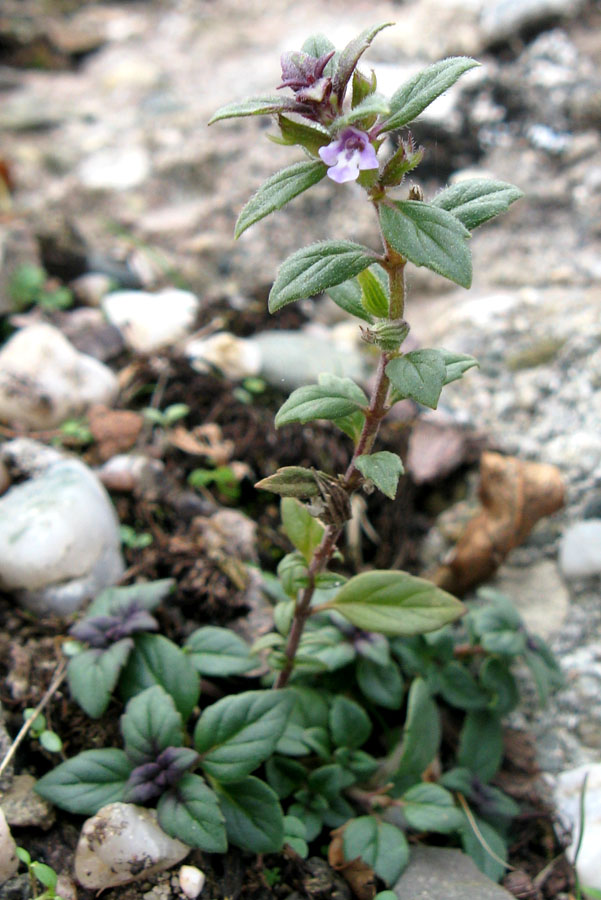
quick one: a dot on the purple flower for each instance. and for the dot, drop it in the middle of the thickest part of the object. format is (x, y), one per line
(350, 152)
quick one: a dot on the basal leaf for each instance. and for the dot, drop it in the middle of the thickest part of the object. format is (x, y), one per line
(481, 744)
(380, 845)
(239, 732)
(485, 846)
(279, 190)
(395, 603)
(421, 734)
(316, 268)
(419, 375)
(150, 724)
(93, 675)
(302, 529)
(384, 469)
(254, 106)
(382, 684)
(157, 660)
(254, 820)
(190, 812)
(349, 723)
(332, 398)
(145, 595)
(295, 835)
(86, 782)
(350, 56)
(423, 88)
(429, 807)
(217, 651)
(477, 200)
(459, 687)
(429, 236)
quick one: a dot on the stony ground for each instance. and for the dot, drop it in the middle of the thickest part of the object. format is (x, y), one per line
(111, 160)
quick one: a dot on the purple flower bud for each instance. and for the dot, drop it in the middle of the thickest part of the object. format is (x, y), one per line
(301, 70)
(350, 152)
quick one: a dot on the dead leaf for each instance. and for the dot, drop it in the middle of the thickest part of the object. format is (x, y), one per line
(205, 440)
(514, 496)
(360, 877)
(113, 430)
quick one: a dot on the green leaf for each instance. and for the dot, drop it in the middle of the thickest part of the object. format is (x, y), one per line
(330, 780)
(429, 236)
(303, 529)
(395, 603)
(332, 398)
(311, 819)
(477, 200)
(46, 875)
(86, 782)
(349, 723)
(423, 88)
(382, 685)
(217, 651)
(544, 668)
(370, 107)
(374, 296)
(326, 645)
(254, 106)
(190, 812)
(497, 679)
(254, 819)
(316, 268)
(279, 190)
(150, 724)
(284, 775)
(380, 845)
(295, 835)
(362, 86)
(418, 375)
(157, 660)
(239, 732)
(481, 744)
(485, 846)
(459, 687)
(147, 595)
(351, 425)
(94, 673)
(23, 855)
(384, 469)
(317, 45)
(350, 56)
(348, 297)
(311, 137)
(50, 741)
(429, 807)
(290, 481)
(456, 364)
(421, 734)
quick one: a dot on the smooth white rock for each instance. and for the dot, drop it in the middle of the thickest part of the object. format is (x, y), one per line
(59, 539)
(580, 549)
(191, 881)
(568, 791)
(8, 858)
(115, 168)
(538, 593)
(44, 380)
(235, 357)
(150, 322)
(290, 359)
(122, 843)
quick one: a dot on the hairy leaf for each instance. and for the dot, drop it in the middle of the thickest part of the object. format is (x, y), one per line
(348, 297)
(93, 675)
(418, 375)
(291, 481)
(371, 106)
(254, 820)
(384, 469)
(302, 529)
(190, 812)
(429, 236)
(145, 595)
(349, 723)
(380, 845)
(477, 200)
(429, 807)
(332, 398)
(279, 190)
(157, 660)
(382, 684)
(254, 106)
(456, 364)
(350, 56)
(86, 782)
(219, 651)
(316, 268)
(423, 88)
(150, 724)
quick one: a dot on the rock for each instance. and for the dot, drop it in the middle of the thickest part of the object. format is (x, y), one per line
(580, 549)
(8, 858)
(538, 593)
(235, 357)
(569, 789)
(114, 430)
(502, 19)
(59, 538)
(122, 843)
(133, 472)
(6, 778)
(91, 288)
(44, 380)
(90, 333)
(441, 874)
(23, 807)
(290, 359)
(115, 168)
(151, 322)
(191, 881)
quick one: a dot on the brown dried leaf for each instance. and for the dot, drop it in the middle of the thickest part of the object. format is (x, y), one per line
(360, 877)
(205, 440)
(514, 496)
(114, 430)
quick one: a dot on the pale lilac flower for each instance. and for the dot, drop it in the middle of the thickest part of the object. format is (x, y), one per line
(350, 152)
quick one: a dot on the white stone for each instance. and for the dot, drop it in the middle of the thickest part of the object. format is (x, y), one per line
(290, 359)
(122, 843)
(568, 792)
(44, 380)
(503, 18)
(580, 549)
(151, 322)
(235, 357)
(191, 881)
(8, 858)
(59, 539)
(115, 168)
(538, 593)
